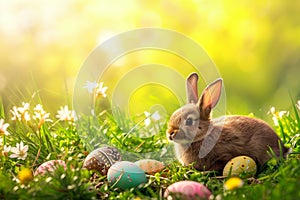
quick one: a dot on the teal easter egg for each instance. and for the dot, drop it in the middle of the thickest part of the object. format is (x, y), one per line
(126, 175)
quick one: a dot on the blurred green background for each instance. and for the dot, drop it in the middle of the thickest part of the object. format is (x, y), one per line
(254, 44)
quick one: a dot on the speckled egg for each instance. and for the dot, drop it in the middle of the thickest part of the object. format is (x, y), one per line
(101, 159)
(241, 165)
(126, 175)
(49, 166)
(187, 190)
(150, 166)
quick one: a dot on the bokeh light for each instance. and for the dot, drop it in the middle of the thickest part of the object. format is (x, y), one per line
(255, 45)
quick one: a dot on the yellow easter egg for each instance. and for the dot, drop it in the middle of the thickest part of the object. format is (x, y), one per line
(240, 165)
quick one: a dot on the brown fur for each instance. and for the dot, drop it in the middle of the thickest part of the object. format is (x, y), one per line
(224, 137)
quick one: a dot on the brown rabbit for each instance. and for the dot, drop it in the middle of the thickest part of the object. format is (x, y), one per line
(210, 144)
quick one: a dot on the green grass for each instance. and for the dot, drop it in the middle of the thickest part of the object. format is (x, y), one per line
(279, 179)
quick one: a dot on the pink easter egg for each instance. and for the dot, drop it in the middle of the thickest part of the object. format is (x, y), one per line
(187, 190)
(49, 166)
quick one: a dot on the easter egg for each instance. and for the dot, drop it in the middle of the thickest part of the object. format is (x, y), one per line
(241, 165)
(150, 166)
(125, 175)
(187, 190)
(49, 166)
(101, 159)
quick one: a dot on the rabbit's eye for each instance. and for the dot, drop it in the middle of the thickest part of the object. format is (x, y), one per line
(189, 121)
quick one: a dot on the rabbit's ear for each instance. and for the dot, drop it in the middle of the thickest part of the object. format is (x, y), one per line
(209, 99)
(191, 88)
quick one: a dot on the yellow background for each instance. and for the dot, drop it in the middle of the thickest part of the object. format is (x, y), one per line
(254, 44)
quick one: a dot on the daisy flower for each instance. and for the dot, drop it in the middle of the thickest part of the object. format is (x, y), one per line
(6, 150)
(41, 115)
(90, 86)
(277, 115)
(98, 88)
(20, 151)
(151, 117)
(101, 90)
(3, 128)
(21, 113)
(156, 116)
(15, 114)
(24, 108)
(64, 114)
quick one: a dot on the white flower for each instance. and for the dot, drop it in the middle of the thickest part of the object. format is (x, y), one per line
(41, 115)
(282, 113)
(298, 105)
(64, 114)
(39, 109)
(15, 114)
(3, 128)
(6, 150)
(275, 120)
(147, 121)
(24, 108)
(272, 110)
(156, 116)
(277, 115)
(90, 86)
(100, 90)
(151, 117)
(21, 113)
(26, 116)
(20, 151)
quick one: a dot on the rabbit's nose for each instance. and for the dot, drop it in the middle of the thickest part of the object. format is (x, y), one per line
(171, 136)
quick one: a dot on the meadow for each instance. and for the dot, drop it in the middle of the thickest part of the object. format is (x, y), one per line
(30, 136)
